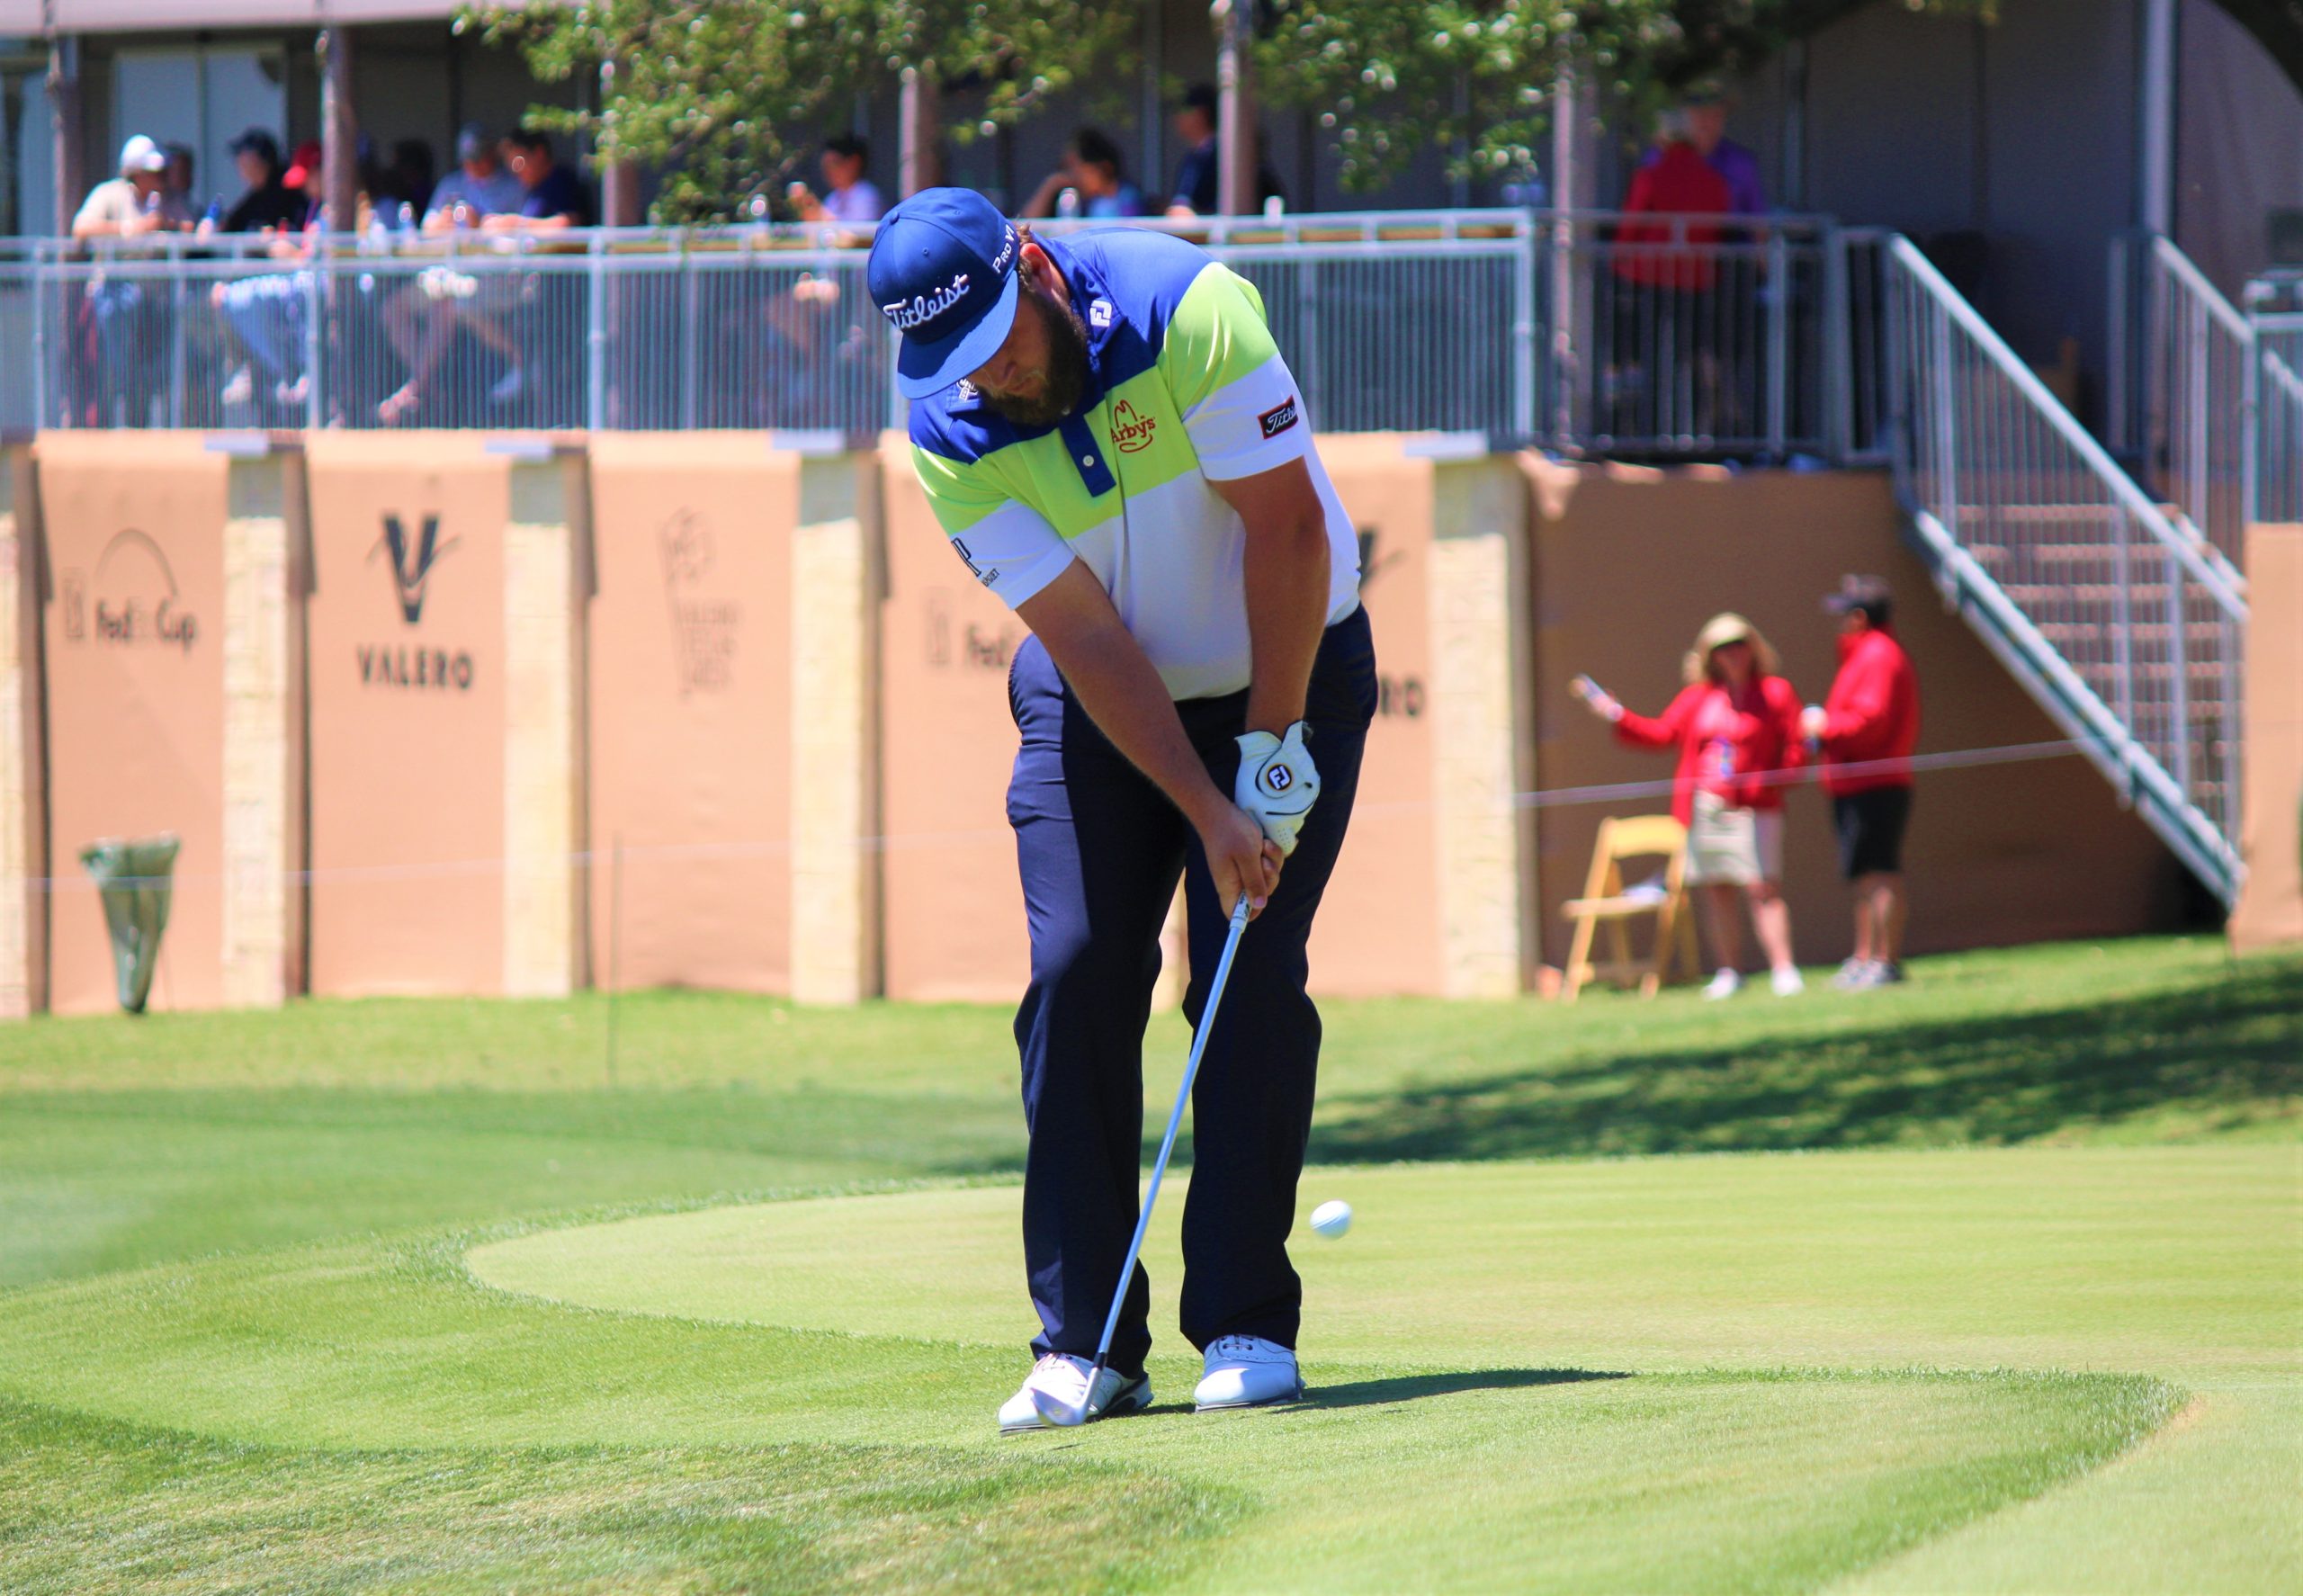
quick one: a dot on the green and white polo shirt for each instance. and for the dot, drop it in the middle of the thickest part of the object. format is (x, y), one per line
(1187, 388)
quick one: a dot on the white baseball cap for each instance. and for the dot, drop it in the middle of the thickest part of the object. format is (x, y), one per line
(140, 154)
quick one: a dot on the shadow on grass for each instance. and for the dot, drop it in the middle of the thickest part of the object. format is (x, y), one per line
(2213, 1056)
(1370, 1394)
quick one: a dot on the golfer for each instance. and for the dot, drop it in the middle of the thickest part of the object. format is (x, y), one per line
(1107, 431)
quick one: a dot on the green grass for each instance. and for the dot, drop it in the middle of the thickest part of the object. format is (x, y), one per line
(408, 1296)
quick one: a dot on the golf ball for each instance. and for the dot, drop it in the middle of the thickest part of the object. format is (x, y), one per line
(1332, 1219)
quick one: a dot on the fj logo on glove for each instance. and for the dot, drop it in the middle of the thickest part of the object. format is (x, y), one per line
(1277, 777)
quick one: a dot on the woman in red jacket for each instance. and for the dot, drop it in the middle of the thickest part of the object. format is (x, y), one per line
(1736, 726)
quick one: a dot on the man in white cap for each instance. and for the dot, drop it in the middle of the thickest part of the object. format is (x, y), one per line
(125, 206)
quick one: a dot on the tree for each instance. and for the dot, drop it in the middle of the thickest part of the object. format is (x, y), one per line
(727, 98)
(1391, 78)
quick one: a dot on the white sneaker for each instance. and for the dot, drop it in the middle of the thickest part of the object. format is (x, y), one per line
(1245, 1371)
(1065, 1378)
(1787, 982)
(1853, 977)
(1726, 984)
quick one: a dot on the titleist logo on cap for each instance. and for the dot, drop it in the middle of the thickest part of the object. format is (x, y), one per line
(920, 308)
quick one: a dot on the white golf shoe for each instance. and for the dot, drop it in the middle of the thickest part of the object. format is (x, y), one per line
(1724, 984)
(1065, 1378)
(1245, 1371)
(1787, 982)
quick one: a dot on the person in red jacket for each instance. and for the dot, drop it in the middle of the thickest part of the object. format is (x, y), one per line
(1736, 728)
(1866, 729)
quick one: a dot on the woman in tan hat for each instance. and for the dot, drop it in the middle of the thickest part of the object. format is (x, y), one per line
(1736, 726)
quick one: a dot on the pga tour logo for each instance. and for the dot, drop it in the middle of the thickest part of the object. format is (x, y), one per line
(920, 308)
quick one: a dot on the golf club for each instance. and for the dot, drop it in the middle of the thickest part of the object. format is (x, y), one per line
(1053, 1409)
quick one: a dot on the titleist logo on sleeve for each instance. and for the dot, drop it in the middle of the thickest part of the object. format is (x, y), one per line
(1278, 419)
(910, 313)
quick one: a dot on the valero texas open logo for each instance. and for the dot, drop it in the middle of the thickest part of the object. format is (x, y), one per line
(411, 562)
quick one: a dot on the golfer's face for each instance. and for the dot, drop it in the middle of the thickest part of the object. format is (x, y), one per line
(1019, 369)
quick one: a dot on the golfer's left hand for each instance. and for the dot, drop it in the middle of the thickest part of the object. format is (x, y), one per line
(1277, 783)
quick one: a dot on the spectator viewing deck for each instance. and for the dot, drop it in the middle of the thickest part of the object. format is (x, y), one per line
(1684, 337)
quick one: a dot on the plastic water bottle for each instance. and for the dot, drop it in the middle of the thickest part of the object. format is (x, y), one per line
(1067, 203)
(406, 217)
(213, 217)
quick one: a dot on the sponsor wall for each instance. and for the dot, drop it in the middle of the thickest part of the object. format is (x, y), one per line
(1378, 929)
(690, 710)
(133, 631)
(514, 659)
(953, 915)
(2271, 904)
(1628, 563)
(407, 639)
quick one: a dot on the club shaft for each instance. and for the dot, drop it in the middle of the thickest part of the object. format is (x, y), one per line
(1168, 1141)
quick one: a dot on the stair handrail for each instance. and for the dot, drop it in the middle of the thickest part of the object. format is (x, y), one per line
(2098, 460)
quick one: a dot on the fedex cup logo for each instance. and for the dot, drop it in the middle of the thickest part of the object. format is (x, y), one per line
(922, 308)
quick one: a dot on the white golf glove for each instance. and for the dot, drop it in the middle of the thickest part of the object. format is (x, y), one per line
(1277, 783)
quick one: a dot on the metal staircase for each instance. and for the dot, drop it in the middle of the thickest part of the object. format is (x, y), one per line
(2122, 621)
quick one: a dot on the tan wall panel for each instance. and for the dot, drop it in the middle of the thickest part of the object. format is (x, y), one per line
(1628, 564)
(955, 914)
(691, 679)
(2271, 904)
(134, 634)
(1378, 928)
(407, 783)
(24, 780)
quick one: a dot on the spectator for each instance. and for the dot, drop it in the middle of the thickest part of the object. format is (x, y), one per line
(1736, 726)
(1664, 275)
(848, 195)
(127, 329)
(1869, 721)
(1197, 188)
(266, 318)
(404, 189)
(176, 201)
(481, 187)
(1702, 126)
(1094, 171)
(302, 177)
(1738, 168)
(422, 323)
(552, 197)
(129, 205)
(269, 204)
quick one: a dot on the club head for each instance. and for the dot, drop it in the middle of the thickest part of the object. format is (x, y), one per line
(1063, 1415)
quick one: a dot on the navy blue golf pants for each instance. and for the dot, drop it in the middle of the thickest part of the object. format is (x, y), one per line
(1100, 848)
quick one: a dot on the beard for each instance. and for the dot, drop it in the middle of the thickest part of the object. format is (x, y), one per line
(1067, 366)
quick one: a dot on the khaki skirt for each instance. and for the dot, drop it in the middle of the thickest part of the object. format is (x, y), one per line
(1732, 847)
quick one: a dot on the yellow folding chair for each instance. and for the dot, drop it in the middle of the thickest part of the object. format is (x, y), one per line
(1604, 903)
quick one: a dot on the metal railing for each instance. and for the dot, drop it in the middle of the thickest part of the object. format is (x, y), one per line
(1589, 333)
(2116, 620)
(2274, 398)
(2179, 354)
(1680, 335)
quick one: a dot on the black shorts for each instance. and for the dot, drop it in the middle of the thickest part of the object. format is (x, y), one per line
(1871, 830)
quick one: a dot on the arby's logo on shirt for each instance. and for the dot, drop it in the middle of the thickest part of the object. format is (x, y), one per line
(1130, 431)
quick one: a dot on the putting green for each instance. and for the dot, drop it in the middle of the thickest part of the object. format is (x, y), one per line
(1889, 1370)
(2186, 1263)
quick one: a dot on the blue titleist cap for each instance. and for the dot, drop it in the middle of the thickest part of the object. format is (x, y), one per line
(943, 270)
